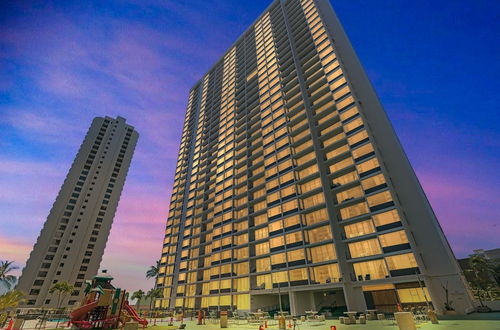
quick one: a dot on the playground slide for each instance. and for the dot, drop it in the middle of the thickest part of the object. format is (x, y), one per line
(134, 314)
(80, 312)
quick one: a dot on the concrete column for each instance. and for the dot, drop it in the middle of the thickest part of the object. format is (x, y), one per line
(354, 298)
(301, 301)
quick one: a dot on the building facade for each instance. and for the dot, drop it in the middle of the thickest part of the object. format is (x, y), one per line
(291, 179)
(72, 240)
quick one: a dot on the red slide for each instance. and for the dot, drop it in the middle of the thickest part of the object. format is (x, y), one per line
(134, 315)
(80, 312)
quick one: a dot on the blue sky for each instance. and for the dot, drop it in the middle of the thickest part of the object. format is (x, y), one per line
(434, 65)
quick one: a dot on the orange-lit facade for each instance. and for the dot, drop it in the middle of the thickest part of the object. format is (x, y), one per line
(289, 175)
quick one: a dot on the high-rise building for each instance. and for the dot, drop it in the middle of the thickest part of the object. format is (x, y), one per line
(72, 241)
(291, 180)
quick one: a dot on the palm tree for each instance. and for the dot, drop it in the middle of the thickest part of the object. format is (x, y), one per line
(139, 294)
(11, 299)
(5, 278)
(152, 295)
(63, 289)
(153, 271)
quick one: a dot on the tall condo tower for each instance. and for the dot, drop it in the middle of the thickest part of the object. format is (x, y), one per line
(290, 179)
(72, 240)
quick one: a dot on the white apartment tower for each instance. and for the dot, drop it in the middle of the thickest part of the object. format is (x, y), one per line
(72, 240)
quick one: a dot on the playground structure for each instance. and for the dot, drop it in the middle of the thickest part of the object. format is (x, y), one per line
(104, 306)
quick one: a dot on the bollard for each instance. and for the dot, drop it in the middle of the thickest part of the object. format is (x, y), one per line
(281, 322)
(223, 319)
(433, 316)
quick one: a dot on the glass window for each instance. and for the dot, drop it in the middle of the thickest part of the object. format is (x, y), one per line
(379, 198)
(341, 165)
(261, 233)
(350, 193)
(264, 282)
(319, 234)
(359, 229)
(295, 255)
(308, 171)
(373, 181)
(243, 301)
(365, 248)
(274, 226)
(313, 200)
(376, 269)
(346, 178)
(291, 221)
(262, 248)
(310, 185)
(368, 165)
(280, 277)
(277, 259)
(413, 295)
(316, 216)
(349, 113)
(304, 159)
(241, 268)
(326, 273)
(385, 218)
(361, 151)
(294, 237)
(277, 241)
(395, 238)
(401, 261)
(353, 211)
(322, 253)
(357, 137)
(263, 265)
(299, 274)
(336, 152)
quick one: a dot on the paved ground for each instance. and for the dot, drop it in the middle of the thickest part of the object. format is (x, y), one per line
(489, 321)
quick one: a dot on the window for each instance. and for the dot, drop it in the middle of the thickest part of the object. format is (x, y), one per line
(351, 193)
(395, 238)
(341, 165)
(313, 200)
(353, 211)
(322, 253)
(359, 229)
(402, 261)
(319, 234)
(326, 273)
(316, 216)
(375, 269)
(385, 218)
(299, 274)
(263, 265)
(262, 248)
(373, 181)
(346, 178)
(368, 165)
(380, 198)
(365, 248)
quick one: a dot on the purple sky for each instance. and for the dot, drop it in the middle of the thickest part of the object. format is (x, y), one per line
(63, 63)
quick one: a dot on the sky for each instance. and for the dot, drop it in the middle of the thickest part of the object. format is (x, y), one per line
(434, 65)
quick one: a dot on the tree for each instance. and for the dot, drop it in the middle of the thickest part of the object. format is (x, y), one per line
(11, 299)
(5, 278)
(63, 289)
(139, 294)
(481, 270)
(152, 295)
(153, 271)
